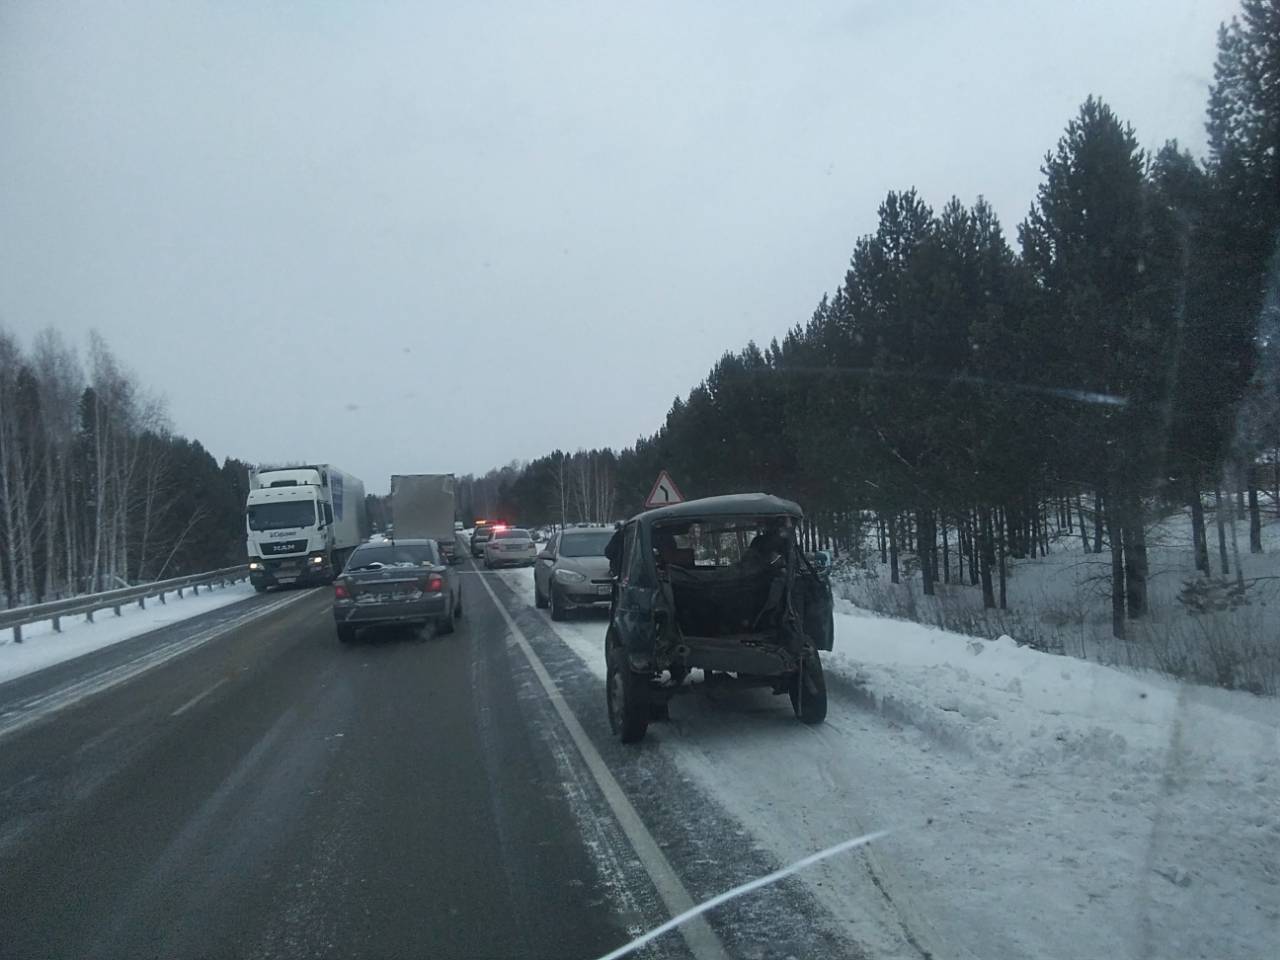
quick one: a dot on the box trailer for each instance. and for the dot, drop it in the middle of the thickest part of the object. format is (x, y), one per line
(423, 507)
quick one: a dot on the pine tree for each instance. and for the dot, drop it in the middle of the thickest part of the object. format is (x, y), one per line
(1087, 242)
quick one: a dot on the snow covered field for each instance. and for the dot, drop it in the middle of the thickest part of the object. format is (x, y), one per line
(1061, 602)
(1043, 806)
(42, 647)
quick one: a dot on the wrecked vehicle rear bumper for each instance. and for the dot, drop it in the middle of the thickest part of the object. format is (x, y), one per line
(732, 655)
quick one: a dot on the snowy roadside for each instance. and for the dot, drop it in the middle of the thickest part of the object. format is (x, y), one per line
(1045, 806)
(42, 647)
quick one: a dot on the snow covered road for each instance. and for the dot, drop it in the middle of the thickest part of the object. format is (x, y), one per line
(1043, 806)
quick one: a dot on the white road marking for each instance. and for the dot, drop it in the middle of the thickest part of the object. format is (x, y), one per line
(41, 707)
(698, 935)
(196, 699)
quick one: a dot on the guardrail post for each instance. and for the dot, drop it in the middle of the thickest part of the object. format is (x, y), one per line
(57, 624)
(180, 589)
(17, 633)
(88, 616)
(116, 608)
(142, 603)
(195, 589)
(161, 598)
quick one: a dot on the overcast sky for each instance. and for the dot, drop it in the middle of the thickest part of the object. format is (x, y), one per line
(417, 237)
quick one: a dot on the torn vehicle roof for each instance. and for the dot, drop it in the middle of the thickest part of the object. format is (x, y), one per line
(730, 505)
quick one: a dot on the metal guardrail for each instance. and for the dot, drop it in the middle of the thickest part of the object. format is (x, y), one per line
(89, 604)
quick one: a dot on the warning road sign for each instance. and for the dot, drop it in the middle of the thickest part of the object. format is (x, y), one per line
(664, 492)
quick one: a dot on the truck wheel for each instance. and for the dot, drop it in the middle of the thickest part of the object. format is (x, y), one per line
(558, 611)
(627, 694)
(539, 600)
(808, 690)
(260, 587)
(346, 634)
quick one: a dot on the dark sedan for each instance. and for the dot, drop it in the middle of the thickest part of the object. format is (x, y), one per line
(479, 537)
(396, 582)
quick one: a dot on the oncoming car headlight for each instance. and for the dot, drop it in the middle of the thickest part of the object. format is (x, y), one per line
(255, 565)
(570, 576)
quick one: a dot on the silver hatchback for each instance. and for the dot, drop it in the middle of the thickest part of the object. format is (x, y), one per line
(573, 572)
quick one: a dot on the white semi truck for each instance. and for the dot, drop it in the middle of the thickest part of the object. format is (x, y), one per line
(301, 523)
(423, 507)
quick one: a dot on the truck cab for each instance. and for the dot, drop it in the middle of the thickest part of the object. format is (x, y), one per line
(293, 532)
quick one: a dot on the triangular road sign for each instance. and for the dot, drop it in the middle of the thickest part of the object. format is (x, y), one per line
(664, 492)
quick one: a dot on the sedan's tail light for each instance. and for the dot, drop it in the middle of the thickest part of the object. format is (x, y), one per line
(434, 583)
(340, 591)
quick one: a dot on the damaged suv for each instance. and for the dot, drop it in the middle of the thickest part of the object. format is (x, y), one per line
(722, 585)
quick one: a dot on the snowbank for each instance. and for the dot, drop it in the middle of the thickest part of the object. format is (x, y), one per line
(42, 647)
(1029, 710)
(1135, 811)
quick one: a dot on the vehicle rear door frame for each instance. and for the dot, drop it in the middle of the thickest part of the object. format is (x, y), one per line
(637, 593)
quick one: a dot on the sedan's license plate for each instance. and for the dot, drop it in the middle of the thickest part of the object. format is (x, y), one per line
(602, 589)
(286, 579)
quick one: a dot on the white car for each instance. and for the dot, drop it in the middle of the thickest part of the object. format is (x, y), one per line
(512, 547)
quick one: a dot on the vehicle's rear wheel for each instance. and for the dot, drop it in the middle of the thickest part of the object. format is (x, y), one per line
(539, 600)
(346, 634)
(444, 626)
(627, 694)
(558, 610)
(808, 691)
